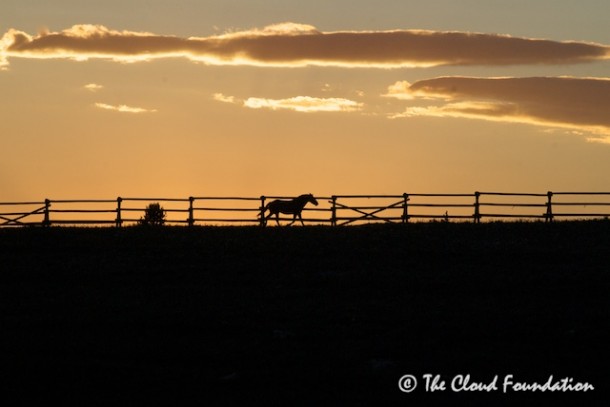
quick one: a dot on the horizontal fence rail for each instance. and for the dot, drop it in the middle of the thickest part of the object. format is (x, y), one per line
(335, 210)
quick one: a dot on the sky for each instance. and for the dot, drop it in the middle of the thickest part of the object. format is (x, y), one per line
(248, 98)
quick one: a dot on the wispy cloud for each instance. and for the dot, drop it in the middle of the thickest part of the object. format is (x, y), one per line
(291, 44)
(575, 103)
(93, 87)
(124, 108)
(223, 98)
(303, 104)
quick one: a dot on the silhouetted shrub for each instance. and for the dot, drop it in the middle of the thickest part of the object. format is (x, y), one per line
(154, 215)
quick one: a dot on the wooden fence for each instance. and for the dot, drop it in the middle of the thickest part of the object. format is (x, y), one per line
(336, 210)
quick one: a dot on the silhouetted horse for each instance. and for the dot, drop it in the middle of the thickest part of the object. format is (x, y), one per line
(293, 207)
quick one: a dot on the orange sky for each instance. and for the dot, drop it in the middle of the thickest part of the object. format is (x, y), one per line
(194, 100)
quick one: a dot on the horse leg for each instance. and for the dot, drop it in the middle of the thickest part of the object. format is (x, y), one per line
(301, 219)
(271, 213)
(294, 218)
(277, 218)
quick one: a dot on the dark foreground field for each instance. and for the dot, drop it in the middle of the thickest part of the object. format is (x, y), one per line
(313, 316)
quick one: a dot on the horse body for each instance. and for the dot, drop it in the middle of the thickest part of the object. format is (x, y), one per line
(293, 207)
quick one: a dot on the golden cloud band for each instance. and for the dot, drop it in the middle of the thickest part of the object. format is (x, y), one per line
(291, 44)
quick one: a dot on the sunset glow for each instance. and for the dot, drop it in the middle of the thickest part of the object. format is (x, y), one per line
(246, 99)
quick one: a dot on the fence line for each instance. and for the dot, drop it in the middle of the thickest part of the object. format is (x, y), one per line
(335, 210)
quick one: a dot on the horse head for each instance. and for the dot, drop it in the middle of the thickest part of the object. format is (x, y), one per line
(310, 198)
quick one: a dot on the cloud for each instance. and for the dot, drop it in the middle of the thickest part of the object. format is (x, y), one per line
(223, 98)
(303, 104)
(292, 44)
(93, 87)
(580, 104)
(124, 108)
(400, 90)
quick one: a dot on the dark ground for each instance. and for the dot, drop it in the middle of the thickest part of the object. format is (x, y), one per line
(303, 316)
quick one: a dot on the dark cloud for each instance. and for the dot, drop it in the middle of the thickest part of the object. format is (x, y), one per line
(577, 103)
(301, 45)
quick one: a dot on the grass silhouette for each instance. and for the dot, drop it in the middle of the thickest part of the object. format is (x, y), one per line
(302, 315)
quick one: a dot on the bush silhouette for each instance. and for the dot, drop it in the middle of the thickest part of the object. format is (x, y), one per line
(154, 215)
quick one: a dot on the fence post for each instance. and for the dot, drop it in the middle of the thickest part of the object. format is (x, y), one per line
(191, 219)
(263, 223)
(549, 207)
(47, 219)
(405, 208)
(333, 211)
(119, 220)
(477, 213)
